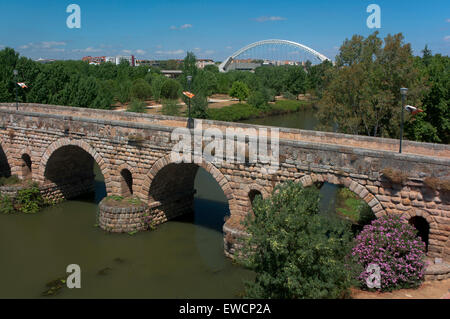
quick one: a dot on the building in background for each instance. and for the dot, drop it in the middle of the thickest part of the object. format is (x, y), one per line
(201, 63)
(131, 59)
(94, 60)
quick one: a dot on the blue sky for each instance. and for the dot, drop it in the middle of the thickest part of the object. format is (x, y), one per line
(159, 29)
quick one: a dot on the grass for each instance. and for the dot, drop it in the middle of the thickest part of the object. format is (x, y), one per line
(12, 180)
(121, 201)
(349, 205)
(243, 111)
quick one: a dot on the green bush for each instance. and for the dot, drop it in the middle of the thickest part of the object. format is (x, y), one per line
(294, 251)
(12, 180)
(199, 107)
(240, 91)
(288, 95)
(136, 106)
(170, 89)
(233, 113)
(141, 90)
(258, 99)
(29, 200)
(6, 205)
(170, 107)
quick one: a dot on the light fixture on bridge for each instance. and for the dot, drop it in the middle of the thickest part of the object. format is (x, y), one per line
(190, 120)
(15, 72)
(403, 92)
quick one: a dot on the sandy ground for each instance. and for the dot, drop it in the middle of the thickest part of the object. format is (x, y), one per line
(428, 290)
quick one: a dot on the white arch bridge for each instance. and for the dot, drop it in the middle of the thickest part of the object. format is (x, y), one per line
(224, 65)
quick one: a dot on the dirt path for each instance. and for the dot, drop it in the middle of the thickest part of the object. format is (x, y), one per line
(428, 290)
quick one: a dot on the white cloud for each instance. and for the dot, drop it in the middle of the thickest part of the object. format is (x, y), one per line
(42, 45)
(141, 52)
(87, 50)
(174, 52)
(448, 20)
(182, 27)
(272, 18)
(447, 38)
(229, 47)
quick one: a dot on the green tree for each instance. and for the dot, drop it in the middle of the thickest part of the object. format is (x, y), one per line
(124, 92)
(433, 125)
(157, 84)
(258, 99)
(141, 90)
(199, 107)
(189, 65)
(363, 96)
(170, 89)
(294, 251)
(239, 90)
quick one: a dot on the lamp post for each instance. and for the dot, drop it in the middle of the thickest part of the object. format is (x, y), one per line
(190, 120)
(404, 92)
(15, 72)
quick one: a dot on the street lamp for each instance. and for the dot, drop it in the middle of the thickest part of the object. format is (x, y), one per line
(404, 92)
(15, 72)
(190, 120)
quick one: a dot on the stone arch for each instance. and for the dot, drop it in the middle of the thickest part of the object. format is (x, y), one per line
(210, 168)
(432, 224)
(250, 189)
(6, 161)
(25, 163)
(126, 181)
(40, 176)
(353, 186)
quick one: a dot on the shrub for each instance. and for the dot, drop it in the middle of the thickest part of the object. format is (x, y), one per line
(170, 89)
(170, 107)
(294, 251)
(29, 200)
(437, 184)
(240, 91)
(395, 176)
(258, 99)
(395, 247)
(6, 205)
(199, 106)
(141, 90)
(136, 107)
(233, 113)
(12, 180)
(288, 95)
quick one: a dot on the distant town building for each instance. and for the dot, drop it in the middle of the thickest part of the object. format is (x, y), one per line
(201, 63)
(171, 73)
(111, 59)
(147, 63)
(94, 60)
(131, 59)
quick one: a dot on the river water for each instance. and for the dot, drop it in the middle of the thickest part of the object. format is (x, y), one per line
(181, 259)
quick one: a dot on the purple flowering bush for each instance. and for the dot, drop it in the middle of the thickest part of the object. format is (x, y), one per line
(395, 247)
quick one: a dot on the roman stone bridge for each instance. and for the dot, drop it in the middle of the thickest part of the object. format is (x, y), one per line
(57, 147)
